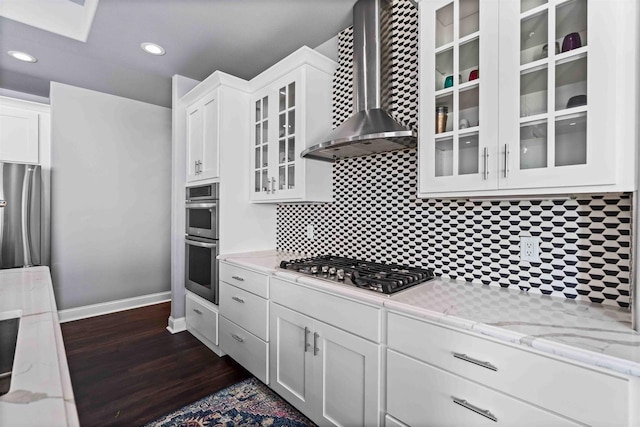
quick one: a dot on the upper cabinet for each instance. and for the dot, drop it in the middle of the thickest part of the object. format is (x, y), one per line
(203, 145)
(22, 127)
(291, 110)
(528, 96)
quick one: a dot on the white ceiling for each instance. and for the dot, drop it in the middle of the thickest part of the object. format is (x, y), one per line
(240, 37)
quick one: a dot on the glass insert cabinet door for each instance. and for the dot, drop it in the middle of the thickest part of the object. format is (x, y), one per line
(556, 100)
(277, 140)
(458, 81)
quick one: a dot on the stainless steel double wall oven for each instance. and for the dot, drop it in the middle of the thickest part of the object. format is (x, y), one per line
(202, 233)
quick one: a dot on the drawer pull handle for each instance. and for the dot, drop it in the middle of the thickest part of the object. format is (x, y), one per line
(238, 278)
(197, 311)
(240, 300)
(466, 358)
(469, 406)
(306, 339)
(315, 343)
(237, 338)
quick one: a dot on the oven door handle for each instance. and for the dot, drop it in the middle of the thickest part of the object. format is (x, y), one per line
(207, 205)
(200, 244)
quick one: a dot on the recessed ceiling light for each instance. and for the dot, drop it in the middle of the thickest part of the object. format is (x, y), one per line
(22, 56)
(153, 49)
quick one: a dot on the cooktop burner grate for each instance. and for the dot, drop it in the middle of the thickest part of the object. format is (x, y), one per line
(384, 278)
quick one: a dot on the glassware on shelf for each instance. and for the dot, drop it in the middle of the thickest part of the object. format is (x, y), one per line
(441, 119)
(571, 41)
(545, 50)
(473, 75)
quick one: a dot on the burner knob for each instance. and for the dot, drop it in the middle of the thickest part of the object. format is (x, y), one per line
(325, 269)
(332, 271)
(340, 274)
(314, 269)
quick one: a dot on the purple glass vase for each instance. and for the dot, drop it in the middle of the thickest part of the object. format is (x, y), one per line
(571, 41)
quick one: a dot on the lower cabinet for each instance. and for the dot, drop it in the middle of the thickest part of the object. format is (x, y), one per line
(330, 375)
(202, 320)
(451, 377)
(420, 394)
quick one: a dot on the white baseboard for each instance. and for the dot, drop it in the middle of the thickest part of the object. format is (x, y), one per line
(177, 325)
(93, 310)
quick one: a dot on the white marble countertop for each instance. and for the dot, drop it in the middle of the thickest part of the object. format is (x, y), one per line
(590, 333)
(40, 392)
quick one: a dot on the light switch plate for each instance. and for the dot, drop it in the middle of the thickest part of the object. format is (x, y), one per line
(529, 249)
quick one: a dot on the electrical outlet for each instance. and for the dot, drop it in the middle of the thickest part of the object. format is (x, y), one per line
(529, 249)
(310, 231)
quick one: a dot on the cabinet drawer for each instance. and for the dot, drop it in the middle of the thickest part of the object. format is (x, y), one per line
(245, 348)
(577, 392)
(256, 283)
(202, 318)
(422, 395)
(245, 309)
(331, 309)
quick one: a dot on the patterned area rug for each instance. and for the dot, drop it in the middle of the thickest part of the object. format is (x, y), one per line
(247, 403)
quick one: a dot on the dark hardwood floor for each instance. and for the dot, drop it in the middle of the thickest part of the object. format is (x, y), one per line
(127, 369)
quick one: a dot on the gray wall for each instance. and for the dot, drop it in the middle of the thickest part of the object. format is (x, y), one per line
(110, 194)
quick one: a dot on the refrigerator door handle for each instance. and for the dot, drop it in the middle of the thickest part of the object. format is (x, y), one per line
(26, 214)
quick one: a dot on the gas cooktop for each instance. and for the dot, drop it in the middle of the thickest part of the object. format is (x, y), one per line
(383, 278)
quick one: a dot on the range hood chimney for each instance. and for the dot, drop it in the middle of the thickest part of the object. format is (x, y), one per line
(371, 129)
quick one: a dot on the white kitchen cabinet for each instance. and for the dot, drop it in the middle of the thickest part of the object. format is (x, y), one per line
(454, 362)
(424, 395)
(538, 120)
(244, 323)
(325, 354)
(24, 126)
(328, 374)
(203, 138)
(202, 320)
(291, 110)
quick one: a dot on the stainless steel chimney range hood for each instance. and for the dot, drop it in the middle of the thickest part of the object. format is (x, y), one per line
(371, 129)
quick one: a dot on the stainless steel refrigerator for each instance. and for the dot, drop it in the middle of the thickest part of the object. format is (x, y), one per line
(20, 215)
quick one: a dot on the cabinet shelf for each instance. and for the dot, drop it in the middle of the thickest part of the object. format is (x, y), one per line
(469, 38)
(444, 48)
(444, 135)
(444, 92)
(475, 130)
(572, 55)
(534, 66)
(572, 113)
(534, 120)
(469, 85)
(535, 11)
